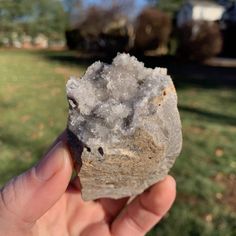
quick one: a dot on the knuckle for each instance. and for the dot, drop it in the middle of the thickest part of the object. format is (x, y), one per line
(154, 210)
(8, 195)
(134, 224)
(11, 202)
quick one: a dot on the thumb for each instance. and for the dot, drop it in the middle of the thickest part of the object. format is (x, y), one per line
(27, 197)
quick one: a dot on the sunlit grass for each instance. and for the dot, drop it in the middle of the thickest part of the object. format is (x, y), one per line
(33, 108)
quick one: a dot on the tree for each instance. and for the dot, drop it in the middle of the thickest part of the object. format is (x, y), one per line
(50, 18)
(102, 28)
(153, 28)
(33, 17)
(122, 6)
(12, 13)
(170, 6)
(199, 40)
(75, 12)
(70, 5)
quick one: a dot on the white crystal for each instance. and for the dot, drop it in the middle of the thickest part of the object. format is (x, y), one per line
(114, 98)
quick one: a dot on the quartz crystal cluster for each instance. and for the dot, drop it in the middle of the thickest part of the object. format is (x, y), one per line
(123, 128)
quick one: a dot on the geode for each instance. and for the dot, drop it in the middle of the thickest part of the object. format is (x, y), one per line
(124, 128)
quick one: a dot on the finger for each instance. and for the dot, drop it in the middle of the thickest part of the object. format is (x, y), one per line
(27, 197)
(100, 228)
(112, 207)
(146, 210)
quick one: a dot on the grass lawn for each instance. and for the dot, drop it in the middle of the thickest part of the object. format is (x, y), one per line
(33, 112)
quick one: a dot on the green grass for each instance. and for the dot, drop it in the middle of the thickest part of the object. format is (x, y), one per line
(33, 112)
(32, 106)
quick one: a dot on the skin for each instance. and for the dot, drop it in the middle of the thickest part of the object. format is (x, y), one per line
(44, 201)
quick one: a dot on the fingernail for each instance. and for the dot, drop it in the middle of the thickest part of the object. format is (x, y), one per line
(52, 162)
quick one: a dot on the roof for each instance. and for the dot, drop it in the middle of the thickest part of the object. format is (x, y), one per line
(204, 3)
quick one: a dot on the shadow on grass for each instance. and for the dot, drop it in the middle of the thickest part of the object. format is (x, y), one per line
(185, 74)
(73, 58)
(213, 117)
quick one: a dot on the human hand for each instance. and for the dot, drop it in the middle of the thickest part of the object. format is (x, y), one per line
(43, 201)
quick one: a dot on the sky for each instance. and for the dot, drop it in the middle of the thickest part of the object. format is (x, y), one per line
(139, 3)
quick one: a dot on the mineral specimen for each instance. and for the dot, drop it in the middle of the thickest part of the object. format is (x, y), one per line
(123, 127)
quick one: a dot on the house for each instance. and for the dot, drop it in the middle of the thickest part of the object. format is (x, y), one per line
(199, 10)
(41, 41)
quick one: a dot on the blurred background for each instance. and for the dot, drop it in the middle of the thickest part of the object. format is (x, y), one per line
(43, 42)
